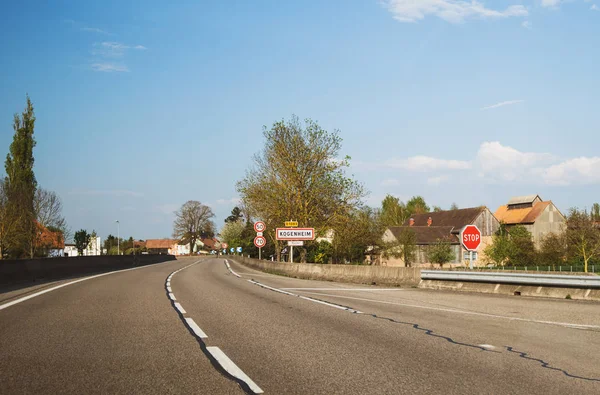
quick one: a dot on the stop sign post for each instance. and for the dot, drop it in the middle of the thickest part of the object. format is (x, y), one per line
(470, 238)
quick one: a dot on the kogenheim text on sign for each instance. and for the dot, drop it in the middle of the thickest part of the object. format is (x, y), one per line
(295, 234)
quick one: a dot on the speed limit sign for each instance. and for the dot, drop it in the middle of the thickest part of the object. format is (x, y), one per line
(259, 226)
(260, 241)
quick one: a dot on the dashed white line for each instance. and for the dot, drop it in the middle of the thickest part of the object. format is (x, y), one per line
(233, 369)
(565, 324)
(195, 328)
(230, 269)
(169, 289)
(179, 307)
(172, 296)
(306, 297)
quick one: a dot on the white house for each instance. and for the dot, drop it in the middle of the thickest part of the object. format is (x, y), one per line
(93, 248)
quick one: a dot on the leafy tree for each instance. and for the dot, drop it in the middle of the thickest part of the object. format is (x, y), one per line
(407, 242)
(297, 176)
(523, 252)
(360, 234)
(596, 212)
(193, 221)
(20, 185)
(437, 209)
(236, 215)
(441, 252)
(82, 240)
(583, 237)
(324, 252)
(393, 211)
(417, 205)
(8, 222)
(553, 250)
(231, 233)
(453, 206)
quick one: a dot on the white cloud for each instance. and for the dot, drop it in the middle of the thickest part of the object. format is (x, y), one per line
(581, 170)
(502, 104)
(426, 163)
(109, 67)
(232, 201)
(500, 162)
(94, 30)
(594, 7)
(111, 49)
(454, 11)
(437, 180)
(551, 3)
(526, 25)
(105, 192)
(390, 182)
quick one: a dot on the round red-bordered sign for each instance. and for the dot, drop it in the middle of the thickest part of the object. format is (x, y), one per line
(260, 241)
(259, 226)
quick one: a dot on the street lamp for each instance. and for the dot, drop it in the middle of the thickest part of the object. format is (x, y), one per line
(118, 246)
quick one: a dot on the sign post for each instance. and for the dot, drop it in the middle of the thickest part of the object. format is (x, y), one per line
(259, 240)
(470, 238)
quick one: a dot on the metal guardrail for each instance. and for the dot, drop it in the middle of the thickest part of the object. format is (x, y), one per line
(553, 280)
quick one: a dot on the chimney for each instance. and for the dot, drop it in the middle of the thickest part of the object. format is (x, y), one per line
(429, 221)
(411, 222)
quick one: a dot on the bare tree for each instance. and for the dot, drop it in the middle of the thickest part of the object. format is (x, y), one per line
(193, 220)
(47, 207)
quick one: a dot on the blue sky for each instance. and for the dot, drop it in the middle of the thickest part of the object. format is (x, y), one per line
(142, 105)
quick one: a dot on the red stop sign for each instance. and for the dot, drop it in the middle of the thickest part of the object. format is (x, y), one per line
(470, 237)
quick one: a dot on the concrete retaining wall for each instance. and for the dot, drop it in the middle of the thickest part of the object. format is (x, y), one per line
(30, 270)
(513, 289)
(387, 275)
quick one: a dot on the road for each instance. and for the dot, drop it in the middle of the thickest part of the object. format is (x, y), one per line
(207, 326)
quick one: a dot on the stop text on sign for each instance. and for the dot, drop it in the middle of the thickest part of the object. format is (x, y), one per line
(470, 237)
(295, 234)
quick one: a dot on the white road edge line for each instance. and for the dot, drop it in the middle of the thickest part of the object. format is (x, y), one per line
(199, 332)
(233, 369)
(231, 270)
(306, 298)
(565, 324)
(24, 298)
(179, 307)
(172, 296)
(344, 289)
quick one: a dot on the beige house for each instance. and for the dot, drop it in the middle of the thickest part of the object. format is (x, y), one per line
(537, 216)
(444, 225)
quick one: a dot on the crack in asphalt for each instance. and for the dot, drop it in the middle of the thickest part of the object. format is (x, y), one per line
(432, 333)
(546, 365)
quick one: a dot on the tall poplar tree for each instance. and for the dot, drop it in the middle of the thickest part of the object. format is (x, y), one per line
(20, 184)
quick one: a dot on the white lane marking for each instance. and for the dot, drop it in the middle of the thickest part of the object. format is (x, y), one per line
(487, 346)
(24, 298)
(231, 270)
(168, 283)
(233, 369)
(344, 289)
(169, 289)
(179, 307)
(172, 296)
(565, 324)
(305, 297)
(199, 332)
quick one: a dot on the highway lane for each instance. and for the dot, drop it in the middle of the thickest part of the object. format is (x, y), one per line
(112, 334)
(180, 327)
(402, 341)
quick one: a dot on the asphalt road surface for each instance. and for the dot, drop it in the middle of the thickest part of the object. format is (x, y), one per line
(214, 327)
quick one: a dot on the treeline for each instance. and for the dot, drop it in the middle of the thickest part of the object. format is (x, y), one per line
(31, 221)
